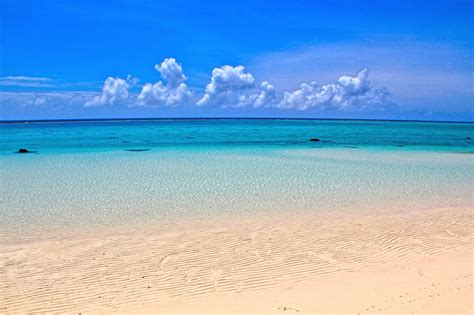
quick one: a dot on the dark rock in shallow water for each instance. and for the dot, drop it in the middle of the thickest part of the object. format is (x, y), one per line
(21, 150)
(137, 150)
(314, 139)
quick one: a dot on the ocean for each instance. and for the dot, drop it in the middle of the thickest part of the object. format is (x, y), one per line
(131, 171)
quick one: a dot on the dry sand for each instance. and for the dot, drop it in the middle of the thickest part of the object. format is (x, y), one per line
(420, 262)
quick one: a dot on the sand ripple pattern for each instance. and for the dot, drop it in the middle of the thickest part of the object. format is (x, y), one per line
(113, 271)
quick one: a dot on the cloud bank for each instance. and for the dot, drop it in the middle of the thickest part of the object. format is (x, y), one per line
(229, 87)
(43, 101)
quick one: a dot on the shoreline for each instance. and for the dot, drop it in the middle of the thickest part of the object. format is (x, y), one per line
(119, 269)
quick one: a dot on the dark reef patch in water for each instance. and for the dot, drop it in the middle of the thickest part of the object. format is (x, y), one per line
(24, 151)
(137, 150)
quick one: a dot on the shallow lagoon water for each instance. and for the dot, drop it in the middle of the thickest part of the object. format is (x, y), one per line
(83, 174)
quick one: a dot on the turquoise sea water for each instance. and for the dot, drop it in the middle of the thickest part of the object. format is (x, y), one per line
(84, 173)
(60, 137)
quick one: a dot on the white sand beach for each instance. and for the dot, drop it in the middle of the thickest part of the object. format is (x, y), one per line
(416, 262)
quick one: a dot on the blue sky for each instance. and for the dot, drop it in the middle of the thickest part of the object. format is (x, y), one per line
(338, 59)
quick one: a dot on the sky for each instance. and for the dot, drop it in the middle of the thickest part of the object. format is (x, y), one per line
(305, 59)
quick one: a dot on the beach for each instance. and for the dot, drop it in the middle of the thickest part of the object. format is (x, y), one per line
(406, 263)
(134, 217)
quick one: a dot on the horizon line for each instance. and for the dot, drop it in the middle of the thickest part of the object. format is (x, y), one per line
(23, 121)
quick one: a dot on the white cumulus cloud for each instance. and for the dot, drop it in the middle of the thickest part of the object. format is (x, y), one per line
(348, 93)
(115, 90)
(233, 87)
(267, 95)
(174, 92)
(171, 71)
